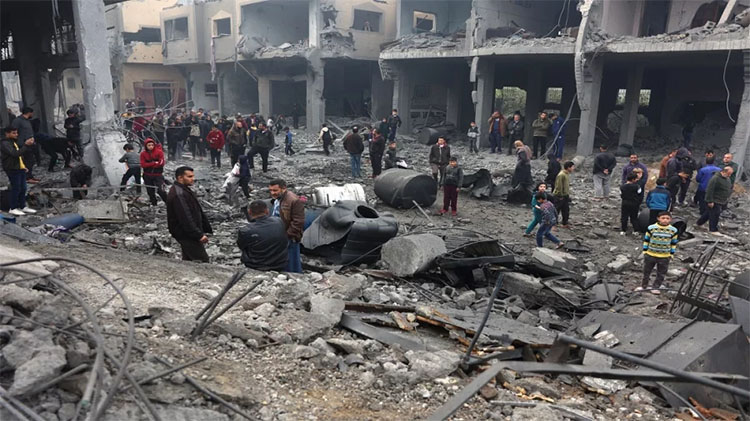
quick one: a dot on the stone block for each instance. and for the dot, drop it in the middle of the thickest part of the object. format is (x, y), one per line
(411, 254)
(554, 258)
(330, 308)
(620, 264)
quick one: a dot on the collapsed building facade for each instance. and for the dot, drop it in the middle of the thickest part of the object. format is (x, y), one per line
(266, 56)
(668, 61)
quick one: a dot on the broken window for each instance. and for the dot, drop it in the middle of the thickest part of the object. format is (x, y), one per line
(644, 98)
(222, 27)
(175, 29)
(143, 35)
(424, 21)
(366, 21)
(71, 83)
(211, 89)
(554, 96)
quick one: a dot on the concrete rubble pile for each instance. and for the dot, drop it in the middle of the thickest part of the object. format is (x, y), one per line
(396, 336)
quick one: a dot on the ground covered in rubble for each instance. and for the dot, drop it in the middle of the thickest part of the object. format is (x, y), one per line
(281, 352)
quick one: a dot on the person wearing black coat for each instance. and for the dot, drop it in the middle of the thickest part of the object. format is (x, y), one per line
(185, 218)
(632, 195)
(377, 148)
(604, 163)
(80, 176)
(553, 168)
(263, 242)
(354, 146)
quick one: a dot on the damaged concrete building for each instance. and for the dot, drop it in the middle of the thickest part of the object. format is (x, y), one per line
(266, 56)
(613, 65)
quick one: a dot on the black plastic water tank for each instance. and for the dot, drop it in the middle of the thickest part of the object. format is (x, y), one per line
(399, 187)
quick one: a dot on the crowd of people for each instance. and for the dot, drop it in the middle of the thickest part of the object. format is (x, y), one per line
(271, 240)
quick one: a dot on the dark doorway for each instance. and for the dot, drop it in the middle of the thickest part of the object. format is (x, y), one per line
(655, 17)
(284, 94)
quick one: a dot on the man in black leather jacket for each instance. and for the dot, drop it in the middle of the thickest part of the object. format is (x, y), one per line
(263, 242)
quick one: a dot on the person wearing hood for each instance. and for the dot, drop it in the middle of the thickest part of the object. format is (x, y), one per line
(674, 165)
(682, 162)
(152, 164)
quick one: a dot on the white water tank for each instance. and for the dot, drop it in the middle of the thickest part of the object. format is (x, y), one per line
(329, 195)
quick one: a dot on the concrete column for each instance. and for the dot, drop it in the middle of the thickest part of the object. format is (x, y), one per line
(403, 87)
(316, 104)
(484, 96)
(381, 95)
(314, 21)
(105, 148)
(593, 71)
(741, 136)
(264, 96)
(536, 94)
(630, 111)
(4, 122)
(453, 101)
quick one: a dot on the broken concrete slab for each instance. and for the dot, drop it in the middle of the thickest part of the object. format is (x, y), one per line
(554, 258)
(102, 211)
(620, 264)
(25, 299)
(45, 365)
(411, 254)
(330, 308)
(302, 326)
(12, 251)
(344, 287)
(432, 365)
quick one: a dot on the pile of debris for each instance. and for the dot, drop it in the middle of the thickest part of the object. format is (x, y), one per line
(426, 40)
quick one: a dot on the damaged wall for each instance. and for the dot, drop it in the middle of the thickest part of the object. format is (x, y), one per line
(238, 91)
(201, 85)
(183, 50)
(276, 22)
(367, 43)
(622, 17)
(450, 15)
(538, 17)
(681, 13)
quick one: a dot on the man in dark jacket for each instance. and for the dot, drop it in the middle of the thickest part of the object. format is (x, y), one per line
(291, 210)
(440, 156)
(394, 122)
(73, 131)
(26, 131)
(80, 177)
(354, 145)
(515, 131)
(377, 148)
(717, 196)
(263, 242)
(53, 146)
(12, 152)
(675, 183)
(631, 194)
(557, 130)
(604, 164)
(553, 168)
(185, 218)
(633, 163)
(264, 142)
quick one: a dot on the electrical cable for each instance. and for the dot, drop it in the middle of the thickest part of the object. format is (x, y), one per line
(726, 87)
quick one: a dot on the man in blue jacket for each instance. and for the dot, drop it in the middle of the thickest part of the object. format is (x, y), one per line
(703, 177)
(658, 200)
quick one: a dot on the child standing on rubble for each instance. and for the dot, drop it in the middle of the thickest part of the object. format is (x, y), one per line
(288, 142)
(548, 220)
(453, 179)
(536, 209)
(659, 245)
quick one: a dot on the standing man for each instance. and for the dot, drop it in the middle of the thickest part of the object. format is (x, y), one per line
(157, 126)
(237, 141)
(185, 218)
(394, 122)
(264, 142)
(604, 164)
(263, 241)
(12, 156)
(515, 131)
(152, 163)
(562, 192)
(633, 164)
(717, 196)
(22, 123)
(558, 134)
(291, 210)
(326, 137)
(540, 128)
(377, 149)
(440, 156)
(295, 115)
(215, 140)
(73, 131)
(708, 154)
(704, 176)
(354, 145)
(664, 162)
(383, 127)
(728, 162)
(497, 131)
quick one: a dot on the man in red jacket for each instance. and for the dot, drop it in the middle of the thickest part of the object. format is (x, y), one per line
(152, 163)
(215, 139)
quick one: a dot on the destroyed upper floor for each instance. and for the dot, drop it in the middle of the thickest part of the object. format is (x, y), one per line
(459, 28)
(229, 30)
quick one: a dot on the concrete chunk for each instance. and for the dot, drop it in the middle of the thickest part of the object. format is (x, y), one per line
(45, 366)
(411, 254)
(554, 258)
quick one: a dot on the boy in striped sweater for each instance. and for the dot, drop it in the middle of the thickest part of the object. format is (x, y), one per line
(659, 245)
